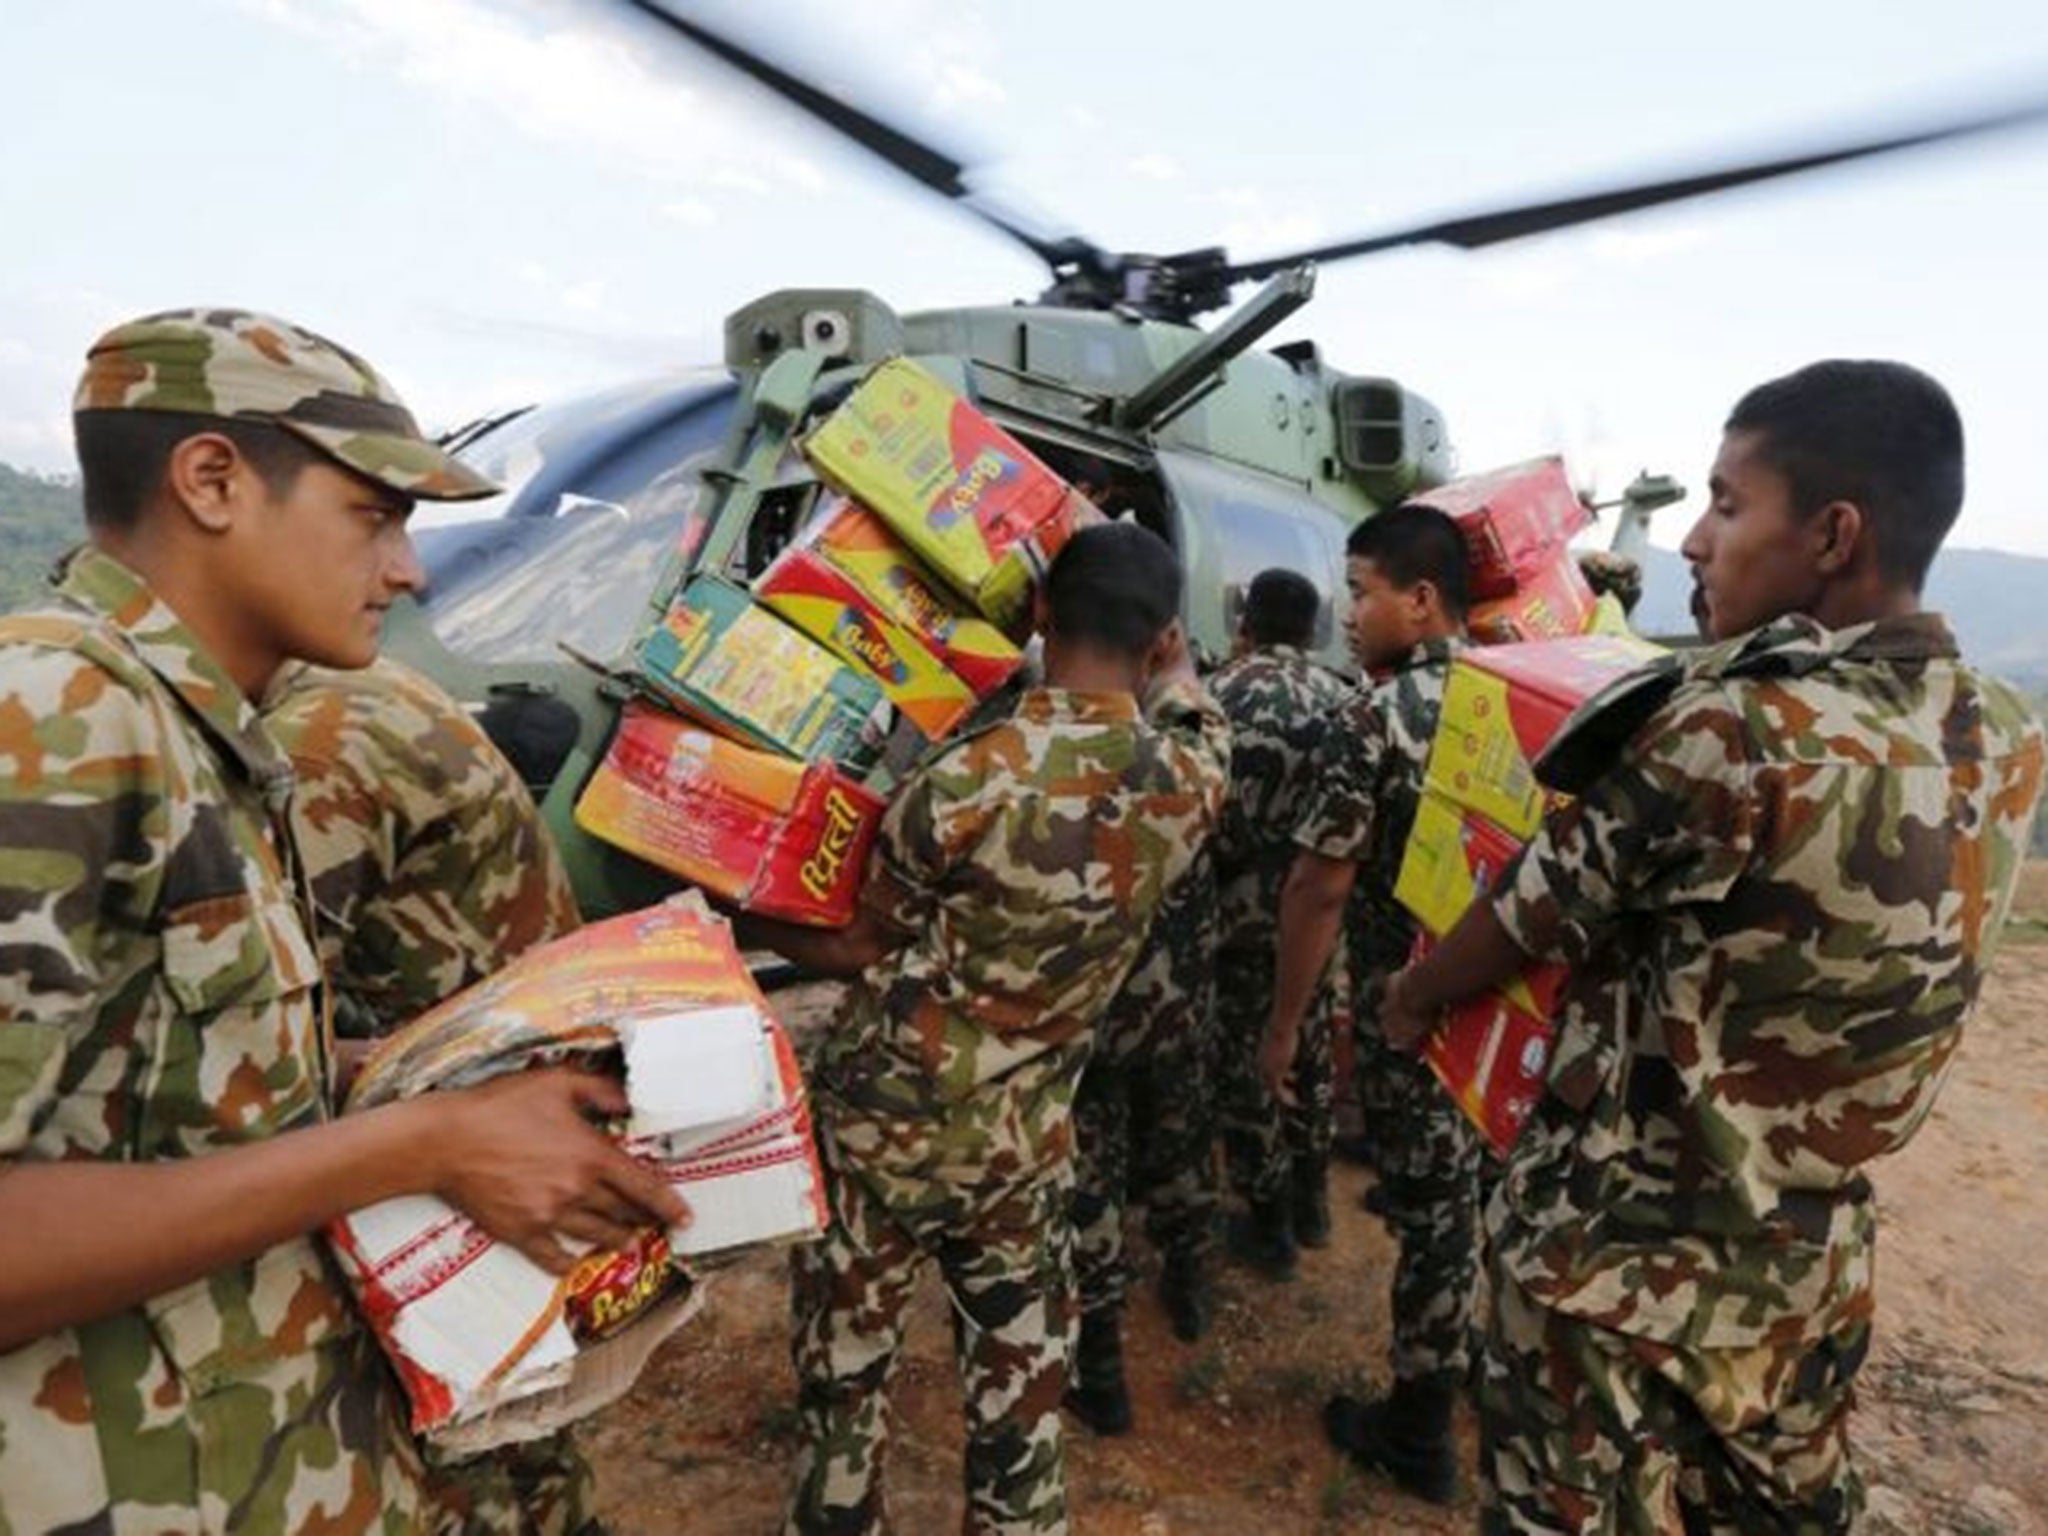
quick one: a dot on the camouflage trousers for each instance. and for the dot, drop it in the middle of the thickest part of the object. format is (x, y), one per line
(536, 1488)
(1583, 1429)
(1001, 1239)
(1428, 1158)
(1145, 1126)
(1263, 1138)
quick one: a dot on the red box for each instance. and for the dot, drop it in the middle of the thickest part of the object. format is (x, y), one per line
(1512, 519)
(1502, 705)
(779, 837)
(1551, 602)
(1492, 1058)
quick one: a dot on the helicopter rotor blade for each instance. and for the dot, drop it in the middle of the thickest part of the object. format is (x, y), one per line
(1476, 231)
(922, 162)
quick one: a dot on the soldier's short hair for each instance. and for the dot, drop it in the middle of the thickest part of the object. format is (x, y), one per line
(1880, 434)
(122, 456)
(1280, 608)
(1113, 585)
(1412, 543)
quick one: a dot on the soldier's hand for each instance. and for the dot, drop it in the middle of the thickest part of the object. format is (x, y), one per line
(1401, 1025)
(521, 1157)
(1276, 1064)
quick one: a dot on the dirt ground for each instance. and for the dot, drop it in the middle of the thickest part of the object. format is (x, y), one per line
(1949, 1430)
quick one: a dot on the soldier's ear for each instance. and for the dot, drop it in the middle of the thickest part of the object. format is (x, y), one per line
(204, 478)
(1843, 532)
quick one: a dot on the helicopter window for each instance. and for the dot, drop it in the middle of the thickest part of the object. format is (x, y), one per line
(570, 552)
(1235, 524)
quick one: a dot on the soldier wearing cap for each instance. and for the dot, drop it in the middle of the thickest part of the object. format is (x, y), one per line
(176, 1351)
(1780, 885)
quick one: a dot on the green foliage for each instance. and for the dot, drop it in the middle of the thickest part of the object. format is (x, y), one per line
(40, 518)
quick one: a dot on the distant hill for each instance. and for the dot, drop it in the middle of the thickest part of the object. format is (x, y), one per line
(1997, 604)
(39, 519)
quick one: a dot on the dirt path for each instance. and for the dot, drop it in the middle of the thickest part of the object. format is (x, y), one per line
(1949, 1431)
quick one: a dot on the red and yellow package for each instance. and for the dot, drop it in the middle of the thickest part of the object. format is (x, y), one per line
(779, 837)
(1548, 603)
(956, 487)
(1513, 520)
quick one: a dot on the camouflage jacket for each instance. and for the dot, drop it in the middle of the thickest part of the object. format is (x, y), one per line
(1026, 862)
(1798, 848)
(428, 862)
(158, 1000)
(1366, 782)
(1278, 703)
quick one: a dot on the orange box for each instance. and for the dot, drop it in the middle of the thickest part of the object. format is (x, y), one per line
(957, 488)
(1548, 603)
(848, 583)
(1502, 705)
(777, 836)
(1453, 858)
(1512, 519)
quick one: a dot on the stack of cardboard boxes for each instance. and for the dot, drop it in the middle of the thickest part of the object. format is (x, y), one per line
(1503, 702)
(754, 786)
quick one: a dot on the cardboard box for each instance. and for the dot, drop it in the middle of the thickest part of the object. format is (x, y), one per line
(1492, 1057)
(888, 630)
(857, 544)
(723, 658)
(1512, 519)
(1502, 704)
(492, 1349)
(1550, 602)
(958, 489)
(1453, 858)
(775, 836)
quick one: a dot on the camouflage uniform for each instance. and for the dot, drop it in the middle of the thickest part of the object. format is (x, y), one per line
(1278, 702)
(158, 999)
(1798, 861)
(430, 870)
(1143, 1115)
(1367, 779)
(1025, 862)
(429, 864)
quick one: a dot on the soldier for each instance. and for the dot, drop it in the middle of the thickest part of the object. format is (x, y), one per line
(1795, 848)
(178, 1351)
(1277, 701)
(429, 870)
(1406, 570)
(1012, 884)
(1145, 1127)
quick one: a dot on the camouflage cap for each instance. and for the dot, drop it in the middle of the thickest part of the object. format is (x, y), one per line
(249, 367)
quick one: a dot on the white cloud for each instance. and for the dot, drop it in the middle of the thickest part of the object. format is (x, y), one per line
(693, 211)
(1155, 166)
(962, 85)
(1253, 225)
(1087, 119)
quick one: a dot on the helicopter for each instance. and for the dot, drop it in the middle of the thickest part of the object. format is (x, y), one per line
(1241, 456)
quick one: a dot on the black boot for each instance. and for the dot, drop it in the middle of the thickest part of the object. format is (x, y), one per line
(1096, 1394)
(1406, 1434)
(1184, 1292)
(1264, 1238)
(1311, 1182)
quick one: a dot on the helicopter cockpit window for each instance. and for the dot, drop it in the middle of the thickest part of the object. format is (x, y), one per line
(569, 553)
(1236, 524)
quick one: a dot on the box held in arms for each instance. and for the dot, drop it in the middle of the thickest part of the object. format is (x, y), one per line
(1453, 858)
(489, 1347)
(776, 836)
(959, 490)
(1551, 601)
(721, 657)
(1512, 520)
(1502, 703)
(848, 583)
(1491, 1054)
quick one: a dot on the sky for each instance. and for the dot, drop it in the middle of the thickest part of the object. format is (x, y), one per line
(504, 201)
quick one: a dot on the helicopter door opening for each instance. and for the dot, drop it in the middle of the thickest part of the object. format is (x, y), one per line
(1234, 523)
